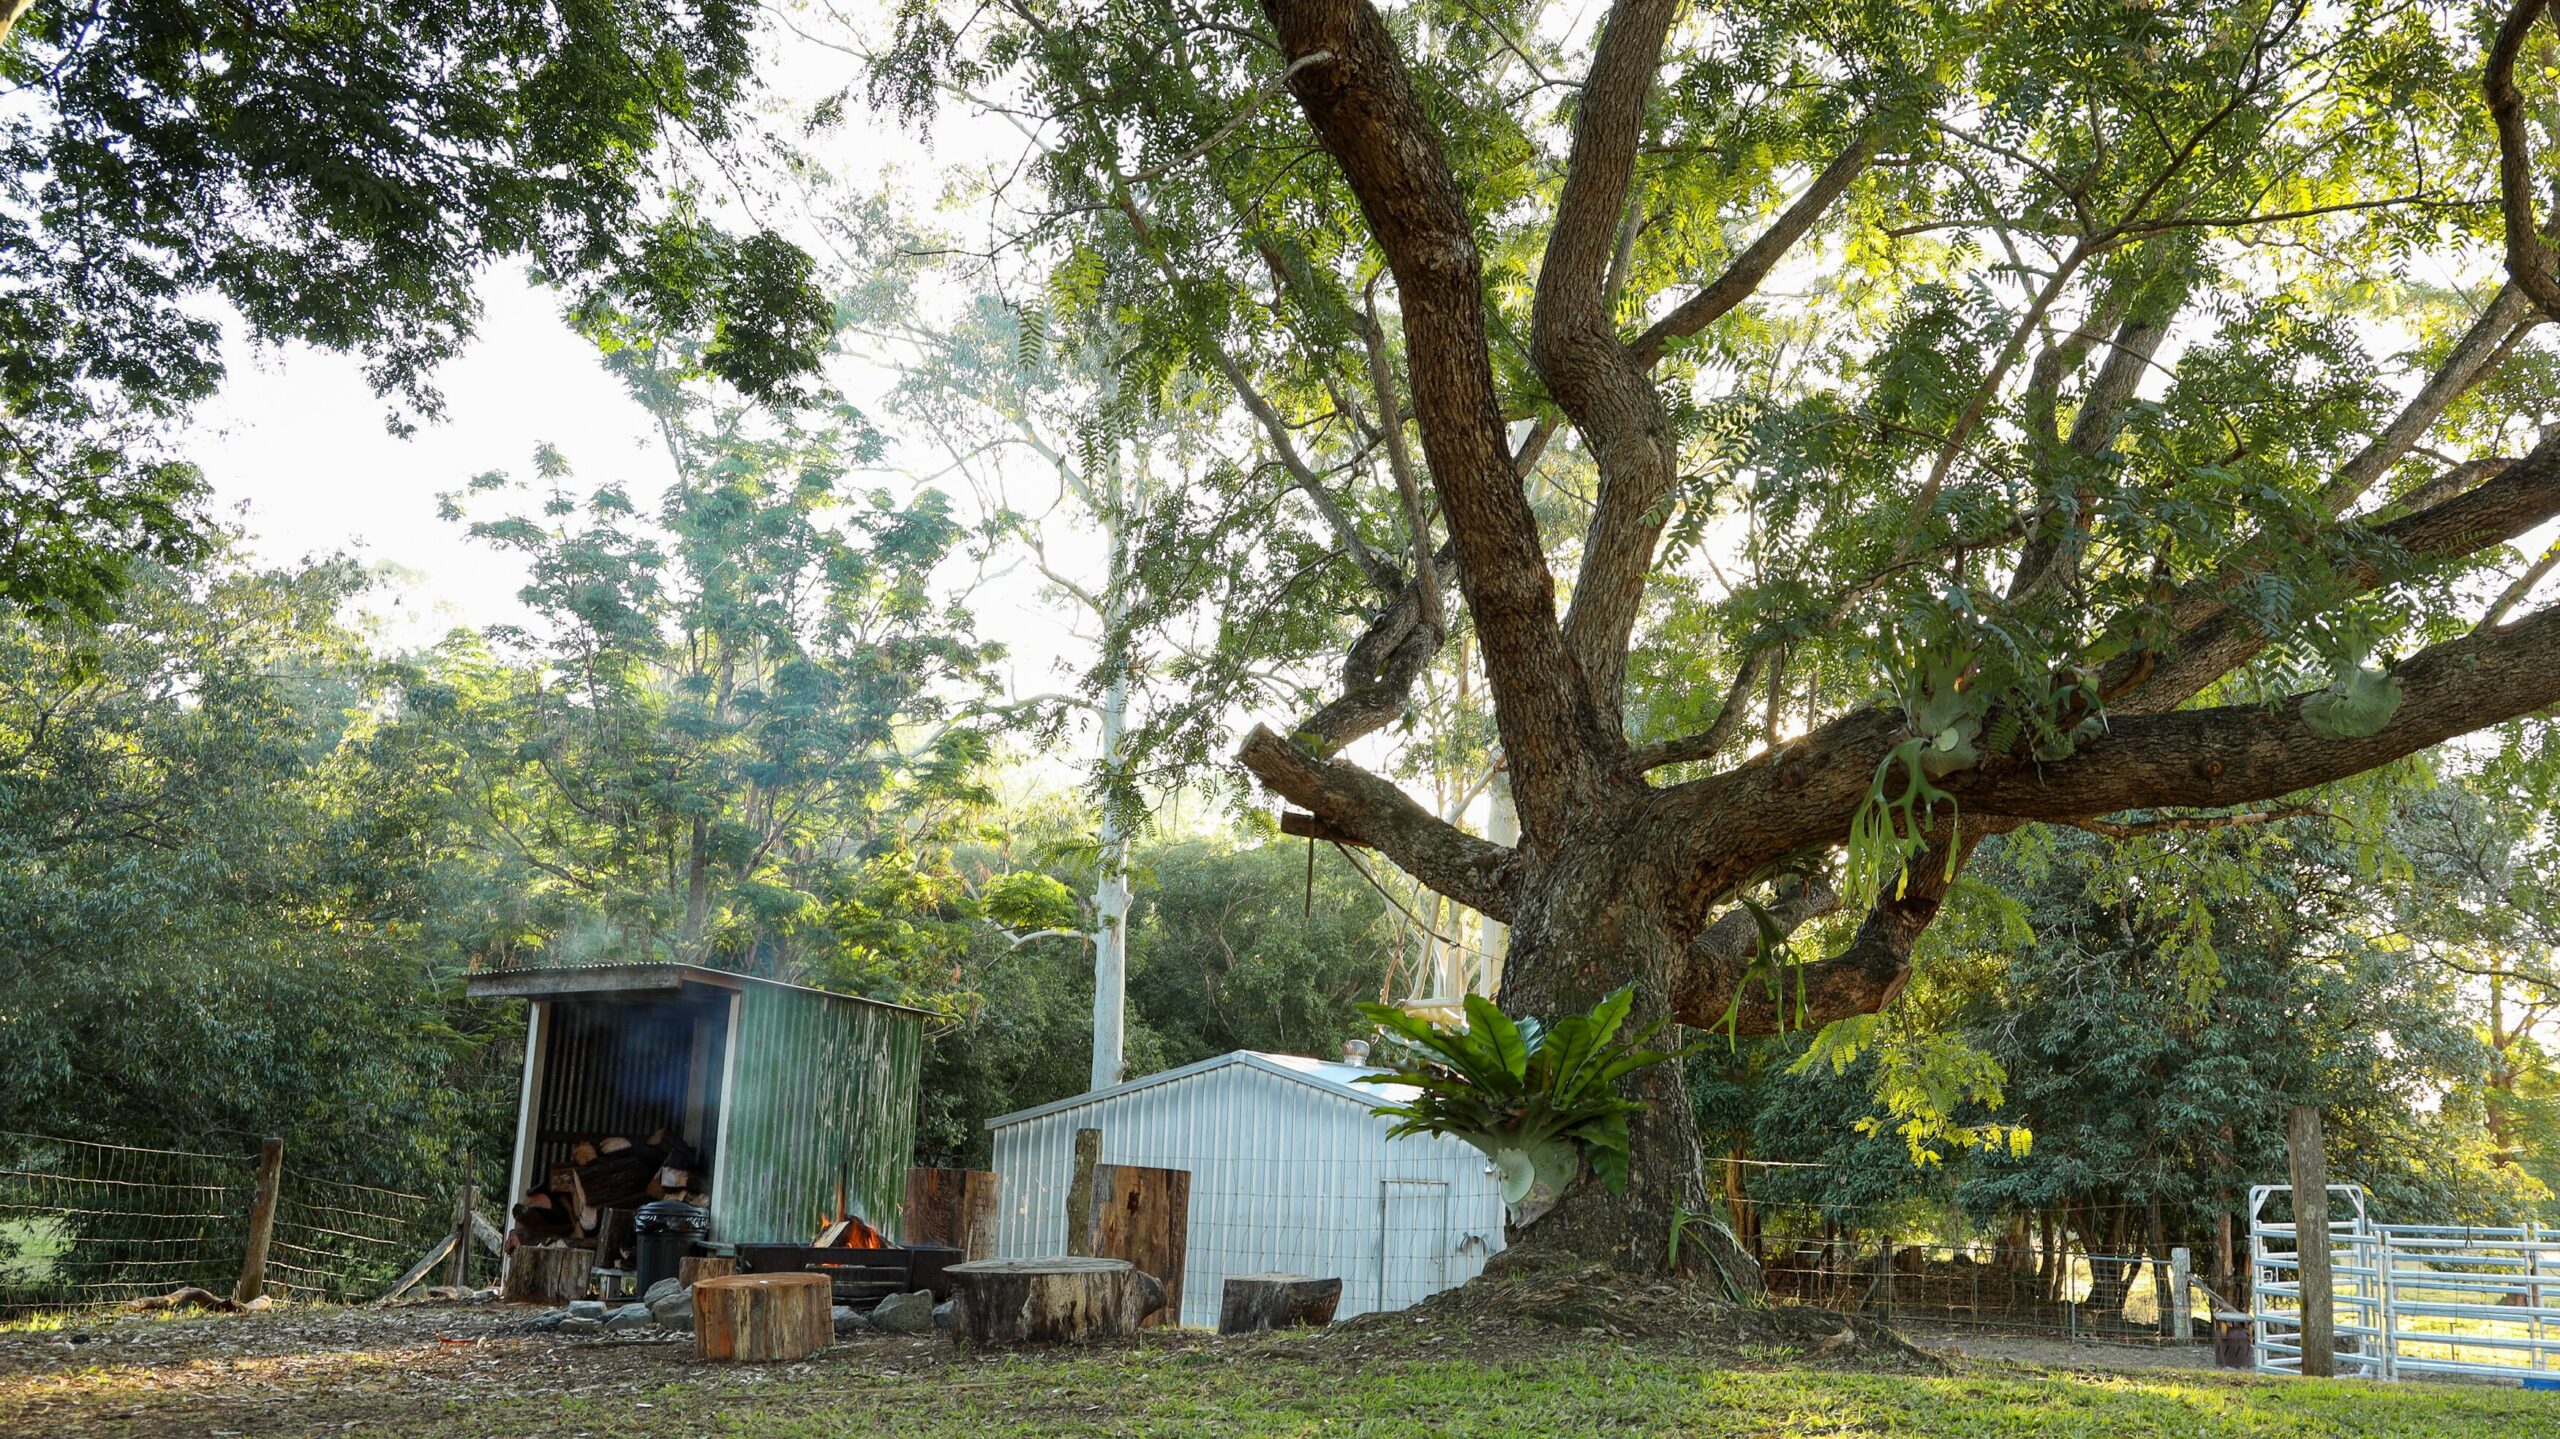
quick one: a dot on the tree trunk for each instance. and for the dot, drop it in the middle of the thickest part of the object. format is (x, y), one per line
(1111, 881)
(1251, 1303)
(1597, 921)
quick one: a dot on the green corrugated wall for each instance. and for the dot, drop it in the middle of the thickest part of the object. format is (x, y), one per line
(822, 1103)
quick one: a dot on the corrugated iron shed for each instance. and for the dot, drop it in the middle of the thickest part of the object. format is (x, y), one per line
(1289, 1171)
(803, 1100)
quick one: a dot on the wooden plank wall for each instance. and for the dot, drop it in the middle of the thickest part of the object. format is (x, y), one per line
(1146, 1219)
(955, 1207)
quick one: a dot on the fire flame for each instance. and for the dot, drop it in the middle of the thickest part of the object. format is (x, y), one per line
(856, 1235)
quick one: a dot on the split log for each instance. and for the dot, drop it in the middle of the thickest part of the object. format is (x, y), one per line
(758, 1317)
(954, 1207)
(1068, 1299)
(694, 1268)
(1144, 1217)
(1254, 1302)
(547, 1274)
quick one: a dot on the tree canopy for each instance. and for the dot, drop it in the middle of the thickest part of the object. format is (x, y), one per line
(1838, 435)
(337, 174)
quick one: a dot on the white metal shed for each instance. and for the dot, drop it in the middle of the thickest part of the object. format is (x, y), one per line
(1289, 1171)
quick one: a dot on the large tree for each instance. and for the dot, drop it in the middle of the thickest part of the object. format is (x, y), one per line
(1969, 418)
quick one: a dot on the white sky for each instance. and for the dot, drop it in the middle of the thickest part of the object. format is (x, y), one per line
(297, 452)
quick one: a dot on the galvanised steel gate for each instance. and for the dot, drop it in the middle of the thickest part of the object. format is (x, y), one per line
(2411, 1298)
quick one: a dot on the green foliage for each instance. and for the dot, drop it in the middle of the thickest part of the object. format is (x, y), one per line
(1541, 1101)
(736, 735)
(337, 174)
(218, 891)
(2068, 994)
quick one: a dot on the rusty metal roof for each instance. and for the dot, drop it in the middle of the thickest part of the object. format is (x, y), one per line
(638, 977)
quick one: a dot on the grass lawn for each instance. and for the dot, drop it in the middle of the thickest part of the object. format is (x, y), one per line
(451, 1372)
(1202, 1393)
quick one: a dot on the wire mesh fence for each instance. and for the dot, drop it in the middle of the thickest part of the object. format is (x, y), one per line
(2018, 1276)
(336, 1242)
(87, 1225)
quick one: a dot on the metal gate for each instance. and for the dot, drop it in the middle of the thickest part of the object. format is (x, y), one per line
(1413, 1240)
(2411, 1298)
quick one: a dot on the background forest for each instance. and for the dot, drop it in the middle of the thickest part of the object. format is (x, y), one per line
(243, 837)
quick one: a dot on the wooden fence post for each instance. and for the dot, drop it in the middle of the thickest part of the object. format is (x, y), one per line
(262, 1222)
(460, 1275)
(2308, 1150)
(2178, 1321)
(1080, 1226)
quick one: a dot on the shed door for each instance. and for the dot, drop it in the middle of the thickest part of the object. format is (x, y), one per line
(1413, 1249)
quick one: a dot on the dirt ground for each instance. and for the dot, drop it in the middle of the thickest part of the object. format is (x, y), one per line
(359, 1370)
(419, 1367)
(2007, 1346)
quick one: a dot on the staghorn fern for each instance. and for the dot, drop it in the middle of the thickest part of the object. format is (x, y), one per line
(1540, 1100)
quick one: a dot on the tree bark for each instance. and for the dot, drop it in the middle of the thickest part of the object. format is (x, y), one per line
(1008, 1302)
(756, 1318)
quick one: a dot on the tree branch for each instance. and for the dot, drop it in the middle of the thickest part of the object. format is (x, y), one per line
(2165, 824)
(1706, 744)
(2519, 497)
(2241, 754)
(1718, 989)
(2528, 255)
(1742, 278)
(1573, 340)
(1474, 872)
(1362, 107)
(2508, 314)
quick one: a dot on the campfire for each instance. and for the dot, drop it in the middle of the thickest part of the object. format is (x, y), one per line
(848, 1232)
(863, 1264)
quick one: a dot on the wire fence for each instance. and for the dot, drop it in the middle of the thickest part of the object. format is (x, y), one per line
(89, 1225)
(2020, 1275)
(336, 1242)
(84, 1224)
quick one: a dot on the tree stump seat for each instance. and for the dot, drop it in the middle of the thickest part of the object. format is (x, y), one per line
(1254, 1302)
(1064, 1299)
(547, 1274)
(694, 1268)
(758, 1318)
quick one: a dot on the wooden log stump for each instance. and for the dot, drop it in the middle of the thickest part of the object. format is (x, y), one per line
(755, 1318)
(542, 1274)
(1068, 1299)
(1254, 1302)
(694, 1268)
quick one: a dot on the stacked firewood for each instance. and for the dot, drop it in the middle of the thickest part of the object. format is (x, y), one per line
(589, 1201)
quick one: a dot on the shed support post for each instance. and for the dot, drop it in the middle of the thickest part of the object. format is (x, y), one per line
(2308, 1149)
(537, 1042)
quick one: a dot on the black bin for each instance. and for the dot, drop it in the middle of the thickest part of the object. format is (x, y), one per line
(664, 1231)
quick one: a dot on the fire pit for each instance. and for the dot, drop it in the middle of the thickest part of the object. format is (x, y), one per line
(861, 1276)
